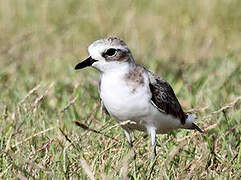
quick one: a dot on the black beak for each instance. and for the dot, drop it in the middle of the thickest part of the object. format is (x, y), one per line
(87, 62)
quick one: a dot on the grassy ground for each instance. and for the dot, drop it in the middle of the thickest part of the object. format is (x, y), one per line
(194, 45)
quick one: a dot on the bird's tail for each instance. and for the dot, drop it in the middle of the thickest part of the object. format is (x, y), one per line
(190, 124)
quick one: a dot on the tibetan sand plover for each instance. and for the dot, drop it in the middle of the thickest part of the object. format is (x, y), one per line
(130, 93)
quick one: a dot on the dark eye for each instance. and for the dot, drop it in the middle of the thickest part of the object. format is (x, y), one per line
(110, 52)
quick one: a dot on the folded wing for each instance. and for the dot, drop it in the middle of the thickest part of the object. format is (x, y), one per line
(164, 98)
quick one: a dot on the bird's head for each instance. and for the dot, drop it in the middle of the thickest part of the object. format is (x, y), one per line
(107, 54)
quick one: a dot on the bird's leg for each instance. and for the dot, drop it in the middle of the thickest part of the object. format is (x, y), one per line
(152, 132)
(128, 137)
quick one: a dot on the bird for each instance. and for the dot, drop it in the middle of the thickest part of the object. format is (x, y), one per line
(135, 97)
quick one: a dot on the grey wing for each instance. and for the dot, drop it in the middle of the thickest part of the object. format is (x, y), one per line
(164, 98)
(103, 108)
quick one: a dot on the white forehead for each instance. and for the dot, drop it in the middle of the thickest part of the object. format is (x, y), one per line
(99, 46)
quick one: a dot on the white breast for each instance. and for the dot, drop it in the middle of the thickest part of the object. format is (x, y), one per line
(123, 101)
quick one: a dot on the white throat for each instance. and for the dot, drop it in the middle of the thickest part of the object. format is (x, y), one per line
(112, 67)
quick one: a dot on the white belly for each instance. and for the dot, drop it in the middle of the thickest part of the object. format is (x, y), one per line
(124, 103)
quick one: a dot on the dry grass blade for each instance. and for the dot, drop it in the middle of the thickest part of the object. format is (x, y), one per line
(65, 135)
(197, 133)
(69, 104)
(29, 93)
(45, 146)
(43, 95)
(5, 112)
(21, 177)
(122, 124)
(30, 137)
(223, 108)
(196, 110)
(83, 126)
(87, 169)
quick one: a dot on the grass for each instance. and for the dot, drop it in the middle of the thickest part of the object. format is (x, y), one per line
(194, 45)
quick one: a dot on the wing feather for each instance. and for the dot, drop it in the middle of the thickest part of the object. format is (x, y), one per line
(164, 98)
